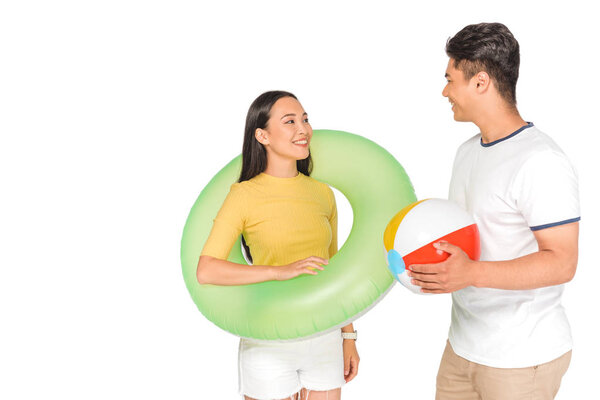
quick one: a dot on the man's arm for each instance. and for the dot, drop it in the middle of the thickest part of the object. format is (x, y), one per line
(554, 263)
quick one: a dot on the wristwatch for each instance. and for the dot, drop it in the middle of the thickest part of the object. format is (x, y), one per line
(349, 335)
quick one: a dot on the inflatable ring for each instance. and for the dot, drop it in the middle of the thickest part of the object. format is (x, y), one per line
(355, 279)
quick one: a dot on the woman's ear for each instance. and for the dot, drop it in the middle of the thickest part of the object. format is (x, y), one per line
(261, 136)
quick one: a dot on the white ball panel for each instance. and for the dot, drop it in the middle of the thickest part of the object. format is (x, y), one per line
(427, 222)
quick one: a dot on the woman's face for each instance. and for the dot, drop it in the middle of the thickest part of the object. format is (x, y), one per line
(288, 132)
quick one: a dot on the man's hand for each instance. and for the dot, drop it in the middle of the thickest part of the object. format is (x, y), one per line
(456, 273)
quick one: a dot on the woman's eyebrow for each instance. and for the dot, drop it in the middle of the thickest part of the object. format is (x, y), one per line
(291, 115)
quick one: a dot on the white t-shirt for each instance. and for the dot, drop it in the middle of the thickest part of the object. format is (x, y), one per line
(512, 187)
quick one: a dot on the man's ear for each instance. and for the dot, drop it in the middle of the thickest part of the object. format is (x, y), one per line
(482, 81)
(261, 136)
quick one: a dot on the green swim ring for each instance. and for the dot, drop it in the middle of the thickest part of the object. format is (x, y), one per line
(355, 279)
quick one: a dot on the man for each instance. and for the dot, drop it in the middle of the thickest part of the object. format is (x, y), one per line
(509, 337)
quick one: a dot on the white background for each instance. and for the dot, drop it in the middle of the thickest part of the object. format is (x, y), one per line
(115, 114)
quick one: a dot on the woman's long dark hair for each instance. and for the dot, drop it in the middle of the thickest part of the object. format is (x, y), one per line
(254, 155)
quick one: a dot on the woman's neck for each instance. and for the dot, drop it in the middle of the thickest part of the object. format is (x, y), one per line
(281, 168)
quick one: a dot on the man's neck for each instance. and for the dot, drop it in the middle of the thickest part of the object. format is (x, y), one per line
(498, 125)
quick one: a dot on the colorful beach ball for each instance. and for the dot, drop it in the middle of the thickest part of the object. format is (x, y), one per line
(410, 235)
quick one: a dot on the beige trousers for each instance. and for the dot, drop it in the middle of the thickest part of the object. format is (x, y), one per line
(460, 379)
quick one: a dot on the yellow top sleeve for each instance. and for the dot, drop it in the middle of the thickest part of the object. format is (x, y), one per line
(282, 219)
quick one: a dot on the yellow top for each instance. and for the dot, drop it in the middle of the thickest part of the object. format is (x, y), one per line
(283, 220)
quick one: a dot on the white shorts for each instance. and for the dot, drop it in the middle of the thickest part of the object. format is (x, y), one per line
(273, 370)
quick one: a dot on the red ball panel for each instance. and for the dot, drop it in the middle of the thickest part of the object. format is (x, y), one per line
(466, 238)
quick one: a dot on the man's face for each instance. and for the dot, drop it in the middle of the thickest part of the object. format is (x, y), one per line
(460, 92)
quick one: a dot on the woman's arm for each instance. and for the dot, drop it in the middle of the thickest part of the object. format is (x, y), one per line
(351, 358)
(215, 271)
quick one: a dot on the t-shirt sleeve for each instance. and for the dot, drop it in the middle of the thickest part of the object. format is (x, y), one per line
(546, 191)
(227, 225)
(333, 222)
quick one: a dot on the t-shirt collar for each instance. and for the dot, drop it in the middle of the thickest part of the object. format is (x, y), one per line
(529, 125)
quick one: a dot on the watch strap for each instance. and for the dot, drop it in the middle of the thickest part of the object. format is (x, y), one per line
(349, 335)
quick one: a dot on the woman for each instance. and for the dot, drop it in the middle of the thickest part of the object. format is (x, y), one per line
(289, 223)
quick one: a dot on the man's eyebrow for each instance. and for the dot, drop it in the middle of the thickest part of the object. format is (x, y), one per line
(447, 75)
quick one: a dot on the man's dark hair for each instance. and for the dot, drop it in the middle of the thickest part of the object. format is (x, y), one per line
(488, 47)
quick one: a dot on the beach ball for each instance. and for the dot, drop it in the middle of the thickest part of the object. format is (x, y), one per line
(409, 237)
